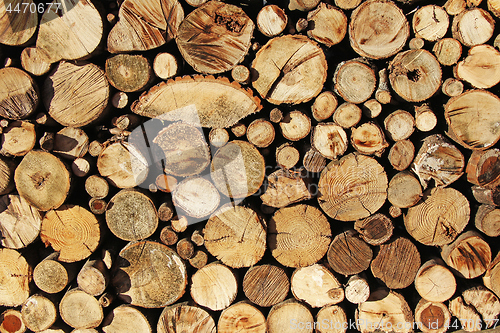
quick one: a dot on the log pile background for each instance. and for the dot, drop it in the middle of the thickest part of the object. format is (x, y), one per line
(240, 166)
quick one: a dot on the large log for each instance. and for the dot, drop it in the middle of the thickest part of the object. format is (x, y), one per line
(15, 274)
(52, 276)
(185, 318)
(17, 28)
(21, 222)
(241, 316)
(19, 93)
(316, 285)
(38, 313)
(80, 310)
(348, 254)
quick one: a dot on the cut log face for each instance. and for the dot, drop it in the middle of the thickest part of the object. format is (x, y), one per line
(71, 143)
(447, 51)
(196, 196)
(298, 236)
(18, 94)
(330, 140)
(483, 168)
(93, 278)
(288, 314)
(217, 103)
(38, 313)
(141, 269)
(215, 37)
(185, 318)
(17, 27)
(295, 126)
(348, 254)
(425, 119)
(243, 317)
(435, 282)
(285, 188)
(145, 25)
(399, 125)
(75, 95)
(433, 317)
(128, 73)
(89, 313)
(378, 29)
(324, 105)
(289, 69)
(357, 290)
(329, 24)
(11, 321)
(35, 61)
(355, 80)
(430, 22)
(260, 133)
(491, 278)
(266, 285)
(15, 274)
(468, 316)
(125, 318)
(487, 220)
(439, 217)
(473, 27)
(271, 20)
(317, 286)
(347, 115)
(353, 188)
(484, 302)
(313, 161)
(21, 222)
(401, 154)
(18, 138)
(481, 68)
(375, 229)
(369, 139)
(7, 169)
(404, 190)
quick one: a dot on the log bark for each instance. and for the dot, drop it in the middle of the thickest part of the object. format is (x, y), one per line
(185, 318)
(354, 80)
(21, 222)
(38, 313)
(15, 274)
(287, 156)
(487, 220)
(94, 277)
(17, 28)
(260, 133)
(19, 95)
(271, 20)
(11, 322)
(447, 51)
(375, 229)
(18, 138)
(357, 289)
(324, 106)
(330, 140)
(52, 276)
(348, 254)
(298, 236)
(473, 26)
(430, 22)
(285, 188)
(404, 190)
(435, 282)
(481, 67)
(80, 310)
(401, 154)
(433, 316)
(347, 115)
(126, 318)
(266, 285)
(241, 316)
(329, 24)
(35, 61)
(316, 286)
(287, 313)
(196, 196)
(369, 139)
(128, 73)
(491, 278)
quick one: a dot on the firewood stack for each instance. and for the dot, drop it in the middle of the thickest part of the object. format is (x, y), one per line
(246, 166)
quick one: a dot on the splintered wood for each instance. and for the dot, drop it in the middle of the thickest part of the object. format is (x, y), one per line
(201, 166)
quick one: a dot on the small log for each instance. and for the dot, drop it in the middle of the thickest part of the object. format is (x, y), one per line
(299, 235)
(71, 143)
(196, 196)
(357, 289)
(355, 80)
(372, 315)
(119, 100)
(375, 229)
(481, 67)
(469, 255)
(486, 196)
(372, 108)
(295, 126)
(89, 314)
(348, 254)
(285, 188)
(96, 187)
(158, 263)
(11, 321)
(52, 276)
(404, 190)
(469, 318)
(347, 115)
(35, 61)
(214, 286)
(166, 211)
(218, 137)
(425, 119)
(126, 121)
(286, 80)
(15, 274)
(369, 139)
(313, 161)
(239, 129)
(487, 220)
(165, 65)
(93, 278)
(372, 35)
(241, 316)
(434, 281)
(17, 26)
(38, 313)
(179, 223)
(447, 51)
(266, 285)
(131, 215)
(185, 248)
(166, 183)
(491, 278)
(287, 156)
(21, 222)
(383, 93)
(275, 115)
(324, 106)
(484, 302)
(76, 95)
(434, 317)
(197, 237)
(185, 318)
(483, 168)
(416, 43)
(47, 141)
(18, 138)
(7, 169)
(126, 318)
(80, 167)
(72, 231)
(241, 74)
(168, 236)
(199, 259)
(335, 186)
(430, 22)
(396, 264)
(289, 314)
(271, 20)
(19, 94)
(95, 148)
(473, 26)
(128, 72)
(106, 299)
(439, 217)
(316, 286)
(401, 154)
(238, 169)
(97, 206)
(399, 125)
(395, 211)
(330, 140)
(329, 24)
(260, 133)
(302, 5)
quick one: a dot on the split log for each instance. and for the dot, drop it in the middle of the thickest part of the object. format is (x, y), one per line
(43, 180)
(179, 223)
(199, 259)
(415, 75)
(158, 263)
(486, 196)
(425, 119)
(299, 235)
(38, 313)
(168, 236)
(241, 74)
(469, 255)
(369, 139)
(52, 275)
(18, 138)
(35, 61)
(385, 310)
(165, 65)
(396, 263)
(214, 286)
(383, 93)
(96, 187)
(316, 286)
(324, 106)
(375, 229)
(329, 24)
(93, 278)
(404, 190)
(287, 315)
(433, 317)
(71, 143)
(365, 174)
(373, 35)
(145, 26)
(11, 322)
(348, 254)
(481, 67)
(19, 94)
(218, 137)
(354, 80)
(17, 26)
(330, 140)
(260, 133)
(237, 169)
(487, 220)
(491, 278)
(76, 95)
(80, 310)
(473, 26)
(285, 188)
(430, 22)
(7, 169)
(483, 168)
(439, 160)
(434, 281)
(185, 148)
(197, 237)
(439, 217)
(15, 274)
(372, 108)
(399, 125)
(282, 65)
(313, 161)
(295, 126)
(128, 73)
(131, 215)
(484, 302)
(357, 290)
(196, 197)
(20, 224)
(469, 318)
(119, 100)
(241, 316)
(347, 115)
(185, 318)
(494, 7)
(447, 51)
(287, 156)
(266, 285)
(72, 231)
(126, 318)
(271, 20)
(47, 141)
